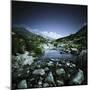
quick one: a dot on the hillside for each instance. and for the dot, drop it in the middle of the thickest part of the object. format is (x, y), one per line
(24, 40)
(79, 38)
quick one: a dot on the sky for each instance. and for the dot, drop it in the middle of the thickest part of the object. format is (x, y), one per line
(53, 20)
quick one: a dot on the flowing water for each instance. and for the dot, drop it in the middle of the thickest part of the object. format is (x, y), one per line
(56, 54)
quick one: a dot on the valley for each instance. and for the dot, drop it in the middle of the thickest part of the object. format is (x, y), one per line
(40, 62)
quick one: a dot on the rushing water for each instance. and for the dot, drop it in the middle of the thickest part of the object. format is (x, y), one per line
(55, 54)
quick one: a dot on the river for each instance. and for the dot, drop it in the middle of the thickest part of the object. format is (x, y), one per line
(56, 54)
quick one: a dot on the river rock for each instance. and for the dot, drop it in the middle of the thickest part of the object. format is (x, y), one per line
(67, 64)
(60, 83)
(74, 51)
(79, 78)
(52, 59)
(28, 60)
(58, 64)
(83, 52)
(50, 78)
(60, 71)
(46, 69)
(40, 82)
(73, 65)
(39, 72)
(24, 59)
(83, 56)
(38, 66)
(45, 85)
(22, 84)
(50, 63)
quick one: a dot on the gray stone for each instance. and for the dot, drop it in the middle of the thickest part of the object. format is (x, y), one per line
(39, 72)
(50, 78)
(59, 65)
(68, 64)
(60, 83)
(79, 78)
(45, 85)
(46, 68)
(22, 84)
(40, 83)
(83, 52)
(50, 63)
(28, 60)
(60, 71)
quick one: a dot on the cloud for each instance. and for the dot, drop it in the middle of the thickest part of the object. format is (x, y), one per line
(53, 35)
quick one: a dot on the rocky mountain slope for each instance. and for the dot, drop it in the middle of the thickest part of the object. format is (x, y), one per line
(24, 40)
(79, 38)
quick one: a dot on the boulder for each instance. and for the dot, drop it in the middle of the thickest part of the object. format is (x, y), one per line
(82, 62)
(79, 78)
(22, 84)
(50, 63)
(60, 71)
(60, 83)
(58, 64)
(46, 69)
(45, 85)
(24, 59)
(83, 52)
(83, 56)
(74, 51)
(50, 78)
(39, 72)
(28, 60)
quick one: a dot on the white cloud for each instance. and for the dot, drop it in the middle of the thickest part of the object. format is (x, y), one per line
(53, 35)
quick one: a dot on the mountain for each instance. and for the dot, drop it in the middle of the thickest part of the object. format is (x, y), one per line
(25, 33)
(79, 38)
(37, 32)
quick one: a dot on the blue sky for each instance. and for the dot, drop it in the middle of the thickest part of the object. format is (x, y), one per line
(53, 20)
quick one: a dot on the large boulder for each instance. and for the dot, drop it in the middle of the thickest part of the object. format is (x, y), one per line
(82, 61)
(24, 59)
(78, 79)
(29, 60)
(22, 84)
(83, 52)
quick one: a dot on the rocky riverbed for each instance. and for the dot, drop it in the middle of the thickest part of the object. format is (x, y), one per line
(30, 72)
